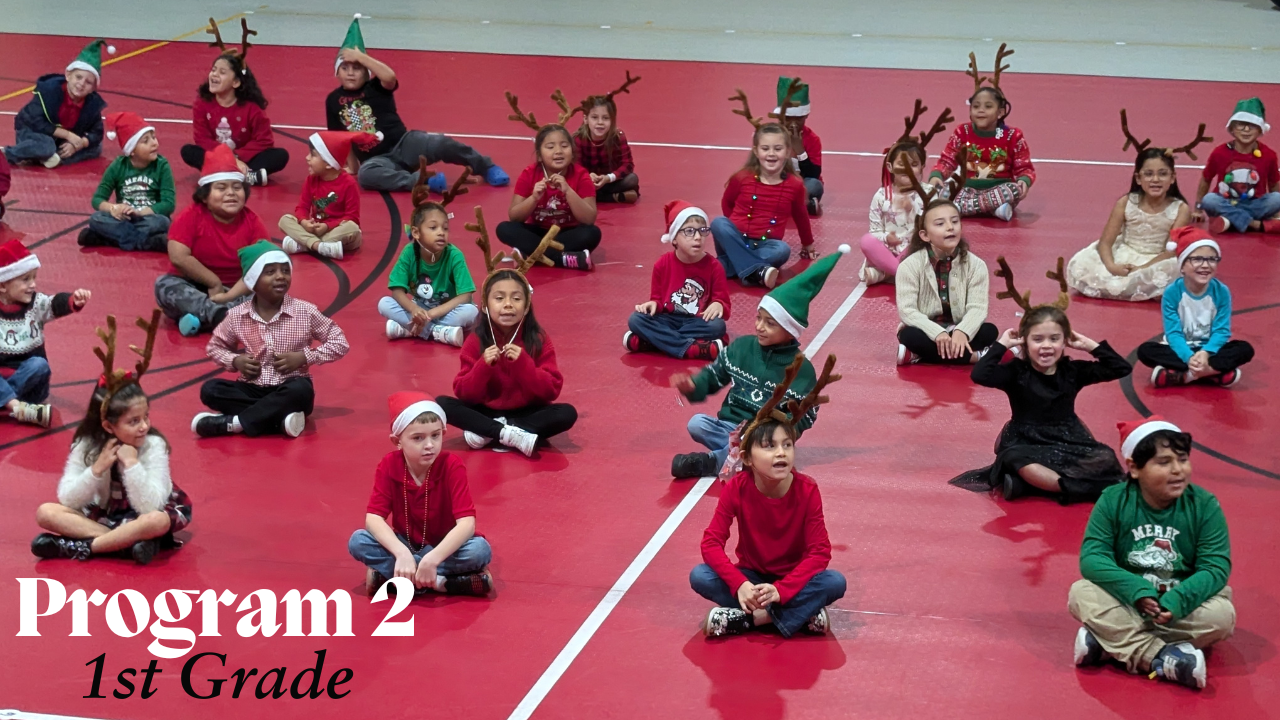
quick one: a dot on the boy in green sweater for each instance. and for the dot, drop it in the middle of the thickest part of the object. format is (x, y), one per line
(1155, 561)
(753, 365)
(142, 183)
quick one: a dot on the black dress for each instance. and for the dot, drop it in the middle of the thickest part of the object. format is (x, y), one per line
(1044, 428)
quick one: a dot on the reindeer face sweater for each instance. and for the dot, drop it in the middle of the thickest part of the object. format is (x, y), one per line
(508, 384)
(987, 158)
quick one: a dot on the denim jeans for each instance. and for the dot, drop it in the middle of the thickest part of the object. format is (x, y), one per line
(1242, 212)
(712, 432)
(742, 257)
(673, 333)
(463, 316)
(814, 186)
(474, 554)
(148, 232)
(31, 146)
(822, 589)
(30, 383)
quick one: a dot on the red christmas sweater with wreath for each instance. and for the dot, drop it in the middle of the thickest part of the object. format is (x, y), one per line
(760, 210)
(688, 288)
(508, 384)
(989, 158)
(243, 127)
(329, 201)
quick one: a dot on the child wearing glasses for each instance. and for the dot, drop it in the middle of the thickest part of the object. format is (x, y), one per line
(1197, 344)
(688, 295)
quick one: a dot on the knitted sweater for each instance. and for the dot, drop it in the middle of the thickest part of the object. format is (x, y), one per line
(507, 384)
(243, 127)
(22, 327)
(147, 484)
(919, 304)
(754, 372)
(988, 158)
(151, 186)
(760, 210)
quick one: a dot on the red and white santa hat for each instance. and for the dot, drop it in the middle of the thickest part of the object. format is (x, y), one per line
(128, 128)
(1186, 240)
(677, 213)
(16, 260)
(409, 404)
(220, 164)
(1132, 433)
(335, 146)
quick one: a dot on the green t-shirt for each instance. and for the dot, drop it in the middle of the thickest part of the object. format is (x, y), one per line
(1180, 555)
(151, 186)
(433, 283)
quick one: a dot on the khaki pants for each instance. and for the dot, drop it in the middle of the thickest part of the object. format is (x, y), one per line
(1134, 639)
(346, 232)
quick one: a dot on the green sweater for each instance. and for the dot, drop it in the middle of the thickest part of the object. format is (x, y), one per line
(754, 371)
(152, 186)
(1180, 555)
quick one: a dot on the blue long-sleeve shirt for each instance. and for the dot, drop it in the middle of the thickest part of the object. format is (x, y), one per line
(1196, 322)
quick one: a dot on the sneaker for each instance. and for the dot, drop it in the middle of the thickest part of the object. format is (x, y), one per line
(189, 325)
(1162, 377)
(143, 551)
(496, 176)
(50, 547)
(905, 356)
(374, 580)
(693, 465)
(518, 439)
(819, 623)
(703, 350)
(291, 246)
(631, 341)
(724, 621)
(255, 177)
(1012, 486)
(1181, 663)
(476, 584)
(1004, 212)
(447, 334)
(815, 207)
(89, 238)
(576, 260)
(1271, 227)
(396, 331)
(1220, 225)
(438, 183)
(52, 161)
(1087, 650)
(332, 250)
(871, 275)
(293, 424)
(33, 413)
(769, 278)
(474, 441)
(1226, 379)
(207, 424)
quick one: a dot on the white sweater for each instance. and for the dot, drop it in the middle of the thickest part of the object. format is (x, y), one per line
(147, 484)
(919, 302)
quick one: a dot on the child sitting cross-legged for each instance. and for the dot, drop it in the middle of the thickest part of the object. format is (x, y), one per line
(274, 392)
(688, 297)
(431, 538)
(115, 494)
(1155, 559)
(327, 219)
(142, 184)
(62, 123)
(603, 150)
(1197, 343)
(1247, 196)
(781, 577)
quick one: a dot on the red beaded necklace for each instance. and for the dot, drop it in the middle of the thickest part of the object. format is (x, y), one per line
(776, 204)
(426, 497)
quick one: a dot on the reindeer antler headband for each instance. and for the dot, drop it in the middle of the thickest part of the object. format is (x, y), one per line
(491, 261)
(1024, 299)
(788, 412)
(421, 194)
(1188, 149)
(531, 122)
(590, 101)
(994, 80)
(779, 116)
(245, 32)
(114, 379)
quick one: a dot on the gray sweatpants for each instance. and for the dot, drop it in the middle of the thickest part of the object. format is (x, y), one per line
(398, 169)
(178, 296)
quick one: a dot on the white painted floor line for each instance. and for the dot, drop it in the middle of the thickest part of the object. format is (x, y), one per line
(561, 663)
(20, 715)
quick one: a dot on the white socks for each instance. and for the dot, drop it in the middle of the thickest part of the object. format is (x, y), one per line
(234, 424)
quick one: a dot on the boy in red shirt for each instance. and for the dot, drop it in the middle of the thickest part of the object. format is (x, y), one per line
(688, 295)
(431, 539)
(809, 159)
(781, 577)
(1246, 198)
(62, 123)
(327, 219)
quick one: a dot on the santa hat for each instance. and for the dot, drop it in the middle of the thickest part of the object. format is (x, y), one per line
(16, 260)
(256, 257)
(789, 302)
(90, 58)
(1185, 240)
(354, 41)
(1250, 110)
(677, 213)
(801, 96)
(1132, 433)
(407, 405)
(220, 164)
(128, 128)
(335, 146)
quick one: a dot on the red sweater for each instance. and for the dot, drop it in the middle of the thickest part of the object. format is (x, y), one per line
(784, 536)
(507, 385)
(761, 211)
(243, 127)
(329, 201)
(989, 159)
(688, 288)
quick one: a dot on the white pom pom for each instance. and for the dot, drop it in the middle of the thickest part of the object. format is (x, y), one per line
(844, 248)
(111, 134)
(1170, 246)
(111, 49)
(666, 237)
(358, 16)
(379, 135)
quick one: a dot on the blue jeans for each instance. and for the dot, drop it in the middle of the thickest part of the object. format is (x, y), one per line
(712, 432)
(672, 333)
(814, 186)
(1242, 212)
(463, 316)
(474, 554)
(822, 589)
(148, 232)
(31, 146)
(30, 383)
(742, 257)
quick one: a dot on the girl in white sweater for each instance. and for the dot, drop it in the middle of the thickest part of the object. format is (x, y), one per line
(115, 493)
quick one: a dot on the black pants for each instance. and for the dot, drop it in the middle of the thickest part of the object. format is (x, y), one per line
(272, 160)
(541, 420)
(926, 348)
(525, 238)
(1232, 355)
(261, 408)
(609, 192)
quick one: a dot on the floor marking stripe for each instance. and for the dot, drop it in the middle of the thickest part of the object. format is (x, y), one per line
(21, 715)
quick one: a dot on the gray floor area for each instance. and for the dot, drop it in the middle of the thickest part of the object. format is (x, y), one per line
(1220, 40)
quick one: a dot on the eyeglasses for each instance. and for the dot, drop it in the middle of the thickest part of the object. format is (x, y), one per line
(690, 233)
(1203, 260)
(1156, 175)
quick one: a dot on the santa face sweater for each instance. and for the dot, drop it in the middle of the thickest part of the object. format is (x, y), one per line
(760, 211)
(688, 288)
(754, 371)
(507, 384)
(331, 202)
(243, 127)
(22, 327)
(988, 158)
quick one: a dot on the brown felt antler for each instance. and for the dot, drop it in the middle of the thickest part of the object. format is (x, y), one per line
(420, 194)
(113, 379)
(538, 255)
(108, 357)
(1129, 140)
(1187, 149)
(1000, 57)
(923, 138)
(482, 241)
(910, 122)
(150, 329)
(565, 111)
(769, 410)
(519, 115)
(745, 112)
(994, 80)
(815, 397)
(217, 35)
(458, 188)
(625, 88)
(938, 126)
(1064, 299)
(245, 32)
(972, 72)
(1023, 300)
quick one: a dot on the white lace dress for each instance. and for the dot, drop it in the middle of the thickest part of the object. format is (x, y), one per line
(1143, 237)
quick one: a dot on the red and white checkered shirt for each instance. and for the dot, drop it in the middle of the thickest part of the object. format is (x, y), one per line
(292, 330)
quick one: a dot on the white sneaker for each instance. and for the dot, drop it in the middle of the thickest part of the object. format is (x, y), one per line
(32, 413)
(294, 423)
(396, 331)
(474, 441)
(52, 161)
(291, 246)
(819, 623)
(522, 440)
(770, 277)
(447, 334)
(1004, 212)
(905, 356)
(329, 250)
(871, 275)
(255, 177)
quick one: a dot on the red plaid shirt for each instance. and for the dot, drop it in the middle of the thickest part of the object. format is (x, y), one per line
(292, 330)
(597, 159)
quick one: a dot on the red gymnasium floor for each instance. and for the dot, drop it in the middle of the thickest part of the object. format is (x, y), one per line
(957, 602)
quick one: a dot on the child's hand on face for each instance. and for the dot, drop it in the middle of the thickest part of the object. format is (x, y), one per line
(248, 367)
(80, 298)
(682, 382)
(648, 308)
(127, 455)
(106, 458)
(491, 354)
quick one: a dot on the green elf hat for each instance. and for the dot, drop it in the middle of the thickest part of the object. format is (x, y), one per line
(353, 41)
(801, 96)
(1250, 111)
(789, 302)
(90, 58)
(256, 257)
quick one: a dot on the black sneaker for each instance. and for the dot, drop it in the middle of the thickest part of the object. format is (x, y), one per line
(1181, 663)
(576, 260)
(693, 465)
(143, 551)
(50, 546)
(724, 621)
(209, 425)
(1013, 486)
(815, 206)
(477, 584)
(89, 238)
